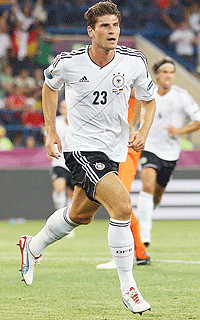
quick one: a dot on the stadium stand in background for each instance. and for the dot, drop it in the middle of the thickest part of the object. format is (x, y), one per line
(33, 32)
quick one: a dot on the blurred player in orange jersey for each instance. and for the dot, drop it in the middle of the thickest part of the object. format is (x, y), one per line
(127, 172)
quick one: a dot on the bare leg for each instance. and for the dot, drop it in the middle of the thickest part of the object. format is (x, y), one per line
(159, 191)
(59, 193)
(69, 196)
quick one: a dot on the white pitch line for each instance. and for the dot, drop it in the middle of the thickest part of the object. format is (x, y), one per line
(99, 259)
(177, 261)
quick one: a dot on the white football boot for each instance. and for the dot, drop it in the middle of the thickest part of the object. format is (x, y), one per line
(108, 265)
(134, 301)
(71, 234)
(28, 260)
(111, 264)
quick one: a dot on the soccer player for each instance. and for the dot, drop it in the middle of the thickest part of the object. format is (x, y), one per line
(127, 172)
(174, 106)
(98, 79)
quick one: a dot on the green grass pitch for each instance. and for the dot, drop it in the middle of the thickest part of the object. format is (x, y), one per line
(67, 285)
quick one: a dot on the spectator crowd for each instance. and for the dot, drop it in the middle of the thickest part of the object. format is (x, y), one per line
(26, 49)
(21, 73)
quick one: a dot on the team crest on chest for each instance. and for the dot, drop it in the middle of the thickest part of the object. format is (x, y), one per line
(118, 82)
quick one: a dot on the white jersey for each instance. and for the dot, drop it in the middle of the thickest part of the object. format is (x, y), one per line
(171, 109)
(62, 128)
(97, 98)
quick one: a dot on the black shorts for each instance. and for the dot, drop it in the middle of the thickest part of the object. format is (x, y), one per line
(60, 172)
(88, 168)
(164, 168)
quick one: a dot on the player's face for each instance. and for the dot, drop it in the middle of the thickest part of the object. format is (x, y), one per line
(106, 33)
(165, 77)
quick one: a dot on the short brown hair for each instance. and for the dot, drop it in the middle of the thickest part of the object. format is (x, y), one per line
(100, 9)
(158, 64)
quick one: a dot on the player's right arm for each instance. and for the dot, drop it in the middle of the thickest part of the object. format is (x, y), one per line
(137, 139)
(49, 106)
(145, 91)
(136, 116)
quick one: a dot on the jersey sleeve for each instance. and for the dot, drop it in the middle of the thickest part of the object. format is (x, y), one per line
(191, 108)
(54, 74)
(145, 88)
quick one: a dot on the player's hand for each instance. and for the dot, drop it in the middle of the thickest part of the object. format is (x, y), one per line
(172, 131)
(51, 140)
(136, 141)
(49, 158)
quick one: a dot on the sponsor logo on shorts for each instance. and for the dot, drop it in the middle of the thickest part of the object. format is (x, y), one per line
(99, 166)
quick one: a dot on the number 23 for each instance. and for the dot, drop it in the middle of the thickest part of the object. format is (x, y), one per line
(100, 97)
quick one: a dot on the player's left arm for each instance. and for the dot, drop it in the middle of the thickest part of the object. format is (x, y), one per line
(191, 109)
(145, 91)
(137, 139)
(188, 128)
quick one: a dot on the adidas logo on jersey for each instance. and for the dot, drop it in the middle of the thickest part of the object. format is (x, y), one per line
(84, 79)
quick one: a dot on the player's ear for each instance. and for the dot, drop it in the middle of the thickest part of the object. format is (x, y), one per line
(157, 75)
(90, 31)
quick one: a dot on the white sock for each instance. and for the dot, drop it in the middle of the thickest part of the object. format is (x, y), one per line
(145, 210)
(57, 226)
(59, 199)
(121, 243)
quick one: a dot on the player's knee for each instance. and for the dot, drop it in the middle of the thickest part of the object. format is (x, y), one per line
(59, 188)
(148, 187)
(83, 219)
(59, 185)
(125, 210)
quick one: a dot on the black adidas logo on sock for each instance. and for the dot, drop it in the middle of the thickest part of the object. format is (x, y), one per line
(84, 79)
